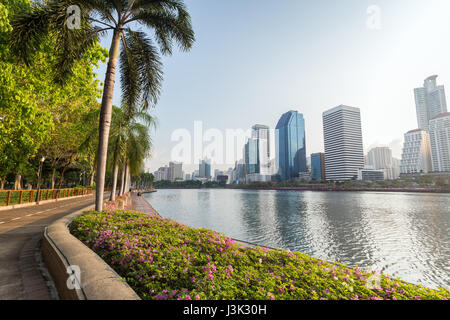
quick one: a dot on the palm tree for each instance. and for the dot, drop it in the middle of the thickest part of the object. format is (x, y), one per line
(130, 142)
(140, 65)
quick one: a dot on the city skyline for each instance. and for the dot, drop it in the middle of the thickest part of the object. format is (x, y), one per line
(309, 66)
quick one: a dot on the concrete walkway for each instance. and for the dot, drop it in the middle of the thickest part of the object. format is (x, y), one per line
(20, 232)
(140, 204)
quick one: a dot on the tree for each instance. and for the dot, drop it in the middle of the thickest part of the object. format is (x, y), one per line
(131, 143)
(139, 58)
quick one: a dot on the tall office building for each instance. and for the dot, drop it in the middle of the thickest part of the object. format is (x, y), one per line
(344, 154)
(430, 102)
(440, 142)
(261, 134)
(416, 156)
(318, 166)
(204, 169)
(380, 158)
(290, 144)
(175, 171)
(257, 155)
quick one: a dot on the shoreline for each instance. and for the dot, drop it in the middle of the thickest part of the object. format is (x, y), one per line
(324, 189)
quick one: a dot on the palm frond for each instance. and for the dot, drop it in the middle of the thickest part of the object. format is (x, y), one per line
(142, 70)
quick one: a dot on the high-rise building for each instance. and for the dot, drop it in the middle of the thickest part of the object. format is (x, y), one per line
(175, 171)
(440, 142)
(290, 144)
(261, 134)
(204, 169)
(318, 166)
(369, 173)
(430, 102)
(257, 155)
(344, 154)
(416, 156)
(380, 158)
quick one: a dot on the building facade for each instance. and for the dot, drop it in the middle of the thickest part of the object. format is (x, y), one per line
(430, 102)
(175, 171)
(416, 156)
(318, 166)
(380, 158)
(257, 155)
(290, 142)
(440, 142)
(344, 154)
(204, 169)
(369, 173)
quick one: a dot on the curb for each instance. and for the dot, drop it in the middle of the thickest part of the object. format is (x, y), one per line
(96, 281)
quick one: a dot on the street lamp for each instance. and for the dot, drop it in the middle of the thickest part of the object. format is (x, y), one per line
(41, 163)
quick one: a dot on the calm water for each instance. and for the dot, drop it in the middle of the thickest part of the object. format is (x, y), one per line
(402, 234)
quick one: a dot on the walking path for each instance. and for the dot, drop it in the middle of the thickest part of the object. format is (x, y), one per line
(141, 205)
(20, 233)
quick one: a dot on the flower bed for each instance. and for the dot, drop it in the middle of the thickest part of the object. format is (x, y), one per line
(163, 259)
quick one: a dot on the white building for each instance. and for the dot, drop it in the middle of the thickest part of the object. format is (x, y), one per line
(416, 156)
(369, 173)
(440, 142)
(175, 171)
(344, 153)
(430, 102)
(380, 158)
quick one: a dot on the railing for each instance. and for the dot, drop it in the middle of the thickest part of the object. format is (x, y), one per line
(14, 197)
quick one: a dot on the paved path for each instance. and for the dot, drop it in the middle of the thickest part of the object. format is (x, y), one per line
(140, 204)
(20, 231)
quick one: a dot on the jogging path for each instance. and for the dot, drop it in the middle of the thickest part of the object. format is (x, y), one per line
(21, 230)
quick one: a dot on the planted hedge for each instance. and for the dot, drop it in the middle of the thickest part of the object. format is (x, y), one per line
(163, 259)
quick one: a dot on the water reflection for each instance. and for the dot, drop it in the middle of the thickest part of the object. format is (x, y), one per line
(404, 235)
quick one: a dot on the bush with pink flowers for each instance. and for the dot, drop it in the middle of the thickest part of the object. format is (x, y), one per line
(163, 259)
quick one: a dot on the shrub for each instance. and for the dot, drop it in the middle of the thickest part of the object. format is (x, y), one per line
(163, 259)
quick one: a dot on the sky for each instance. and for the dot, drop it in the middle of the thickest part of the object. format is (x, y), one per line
(254, 60)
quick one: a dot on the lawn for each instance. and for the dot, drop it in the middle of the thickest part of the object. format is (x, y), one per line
(163, 259)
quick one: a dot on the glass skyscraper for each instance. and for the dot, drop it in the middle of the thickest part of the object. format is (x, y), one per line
(318, 166)
(290, 146)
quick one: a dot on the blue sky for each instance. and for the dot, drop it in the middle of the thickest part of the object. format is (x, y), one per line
(254, 60)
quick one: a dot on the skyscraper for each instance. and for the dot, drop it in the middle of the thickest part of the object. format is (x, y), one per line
(416, 153)
(290, 146)
(430, 102)
(380, 158)
(257, 155)
(344, 154)
(204, 169)
(318, 166)
(440, 142)
(175, 171)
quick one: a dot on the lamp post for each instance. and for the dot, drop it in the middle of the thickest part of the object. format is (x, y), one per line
(41, 163)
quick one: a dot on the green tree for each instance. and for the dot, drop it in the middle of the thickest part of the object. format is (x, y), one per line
(130, 142)
(140, 62)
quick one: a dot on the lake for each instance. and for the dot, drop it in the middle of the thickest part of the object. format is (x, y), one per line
(405, 235)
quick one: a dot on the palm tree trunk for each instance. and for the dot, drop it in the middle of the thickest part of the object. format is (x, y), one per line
(122, 178)
(116, 171)
(105, 119)
(125, 178)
